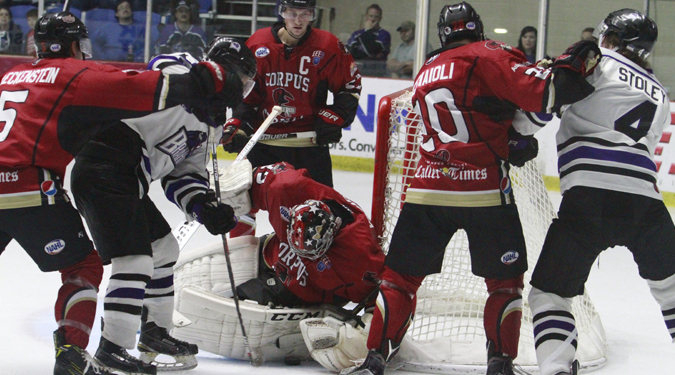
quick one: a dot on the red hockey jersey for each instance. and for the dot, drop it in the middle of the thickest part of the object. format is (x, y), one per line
(299, 79)
(467, 97)
(351, 266)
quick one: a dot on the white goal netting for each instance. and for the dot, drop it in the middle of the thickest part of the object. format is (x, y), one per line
(447, 332)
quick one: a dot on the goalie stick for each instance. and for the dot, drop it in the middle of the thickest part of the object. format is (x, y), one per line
(186, 230)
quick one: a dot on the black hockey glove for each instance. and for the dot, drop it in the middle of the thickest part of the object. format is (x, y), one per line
(326, 133)
(216, 218)
(221, 87)
(522, 148)
(581, 57)
(235, 136)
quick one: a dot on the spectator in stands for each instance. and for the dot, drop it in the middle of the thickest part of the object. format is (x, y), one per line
(400, 63)
(587, 34)
(527, 43)
(183, 35)
(123, 40)
(370, 46)
(84, 5)
(29, 40)
(11, 37)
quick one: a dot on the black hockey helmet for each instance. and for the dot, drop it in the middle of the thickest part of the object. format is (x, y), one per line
(637, 32)
(459, 21)
(235, 57)
(302, 4)
(54, 34)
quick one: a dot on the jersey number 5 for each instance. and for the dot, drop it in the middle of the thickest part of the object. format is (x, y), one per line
(8, 115)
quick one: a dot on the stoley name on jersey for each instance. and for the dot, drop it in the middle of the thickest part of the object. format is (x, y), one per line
(437, 73)
(638, 82)
(292, 260)
(285, 79)
(46, 75)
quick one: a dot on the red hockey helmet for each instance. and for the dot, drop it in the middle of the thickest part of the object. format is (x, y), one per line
(312, 229)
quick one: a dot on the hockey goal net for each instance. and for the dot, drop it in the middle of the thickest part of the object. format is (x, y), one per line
(447, 334)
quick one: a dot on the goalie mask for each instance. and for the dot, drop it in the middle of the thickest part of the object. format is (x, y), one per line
(637, 32)
(457, 22)
(312, 229)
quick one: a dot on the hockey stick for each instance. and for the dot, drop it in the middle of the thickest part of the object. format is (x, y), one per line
(66, 5)
(309, 134)
(256, 355)
(186, 230)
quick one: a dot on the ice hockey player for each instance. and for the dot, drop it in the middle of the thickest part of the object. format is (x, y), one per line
(608, 179)
(110, 182)
(297, 67)
(323, 251)
(467, 94)
(52, 107)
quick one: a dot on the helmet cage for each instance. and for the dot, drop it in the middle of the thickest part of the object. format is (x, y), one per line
(311, 229)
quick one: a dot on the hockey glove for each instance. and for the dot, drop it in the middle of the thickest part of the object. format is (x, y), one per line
(234, 139)
(328, 127)
(522, 148)
(216, 218)
(582, 57)
(223, 88)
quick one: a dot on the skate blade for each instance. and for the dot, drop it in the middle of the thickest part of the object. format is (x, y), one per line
(180, 362)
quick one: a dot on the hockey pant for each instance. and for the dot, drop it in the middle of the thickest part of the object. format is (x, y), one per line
(395, 307)
(139, 280)
(75, 307)
(246, 225)
(502, 315)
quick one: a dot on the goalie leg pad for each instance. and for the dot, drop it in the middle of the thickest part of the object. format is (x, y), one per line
(503, 313)
(206, 267)
(335, 344)
(664, 293)
(555, 332)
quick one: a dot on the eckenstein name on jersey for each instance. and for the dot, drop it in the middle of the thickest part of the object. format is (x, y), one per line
(285, 79)
(46, 75)
(643, 84)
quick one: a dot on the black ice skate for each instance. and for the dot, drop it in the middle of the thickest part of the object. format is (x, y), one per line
(498, 363)
(373, 365)
(116, 359)
(573, 370)
(73, 360)
(156, 340)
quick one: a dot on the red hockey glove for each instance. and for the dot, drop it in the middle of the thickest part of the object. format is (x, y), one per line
(582, 57)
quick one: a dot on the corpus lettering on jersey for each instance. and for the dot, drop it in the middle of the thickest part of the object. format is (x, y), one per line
(641, 83)
(284, 79)
(46, 75)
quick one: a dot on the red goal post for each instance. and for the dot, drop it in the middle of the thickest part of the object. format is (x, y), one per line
(447, 335)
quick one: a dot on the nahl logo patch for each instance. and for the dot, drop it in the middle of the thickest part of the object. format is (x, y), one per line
(285, 213)
(510, 257)
(55, 247)
(262, 52)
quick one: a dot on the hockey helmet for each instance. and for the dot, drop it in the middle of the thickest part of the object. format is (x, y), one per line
(301, 4)
(459, 21)
(235, 57)
(636, 31)
(54, 34)
(312, 229)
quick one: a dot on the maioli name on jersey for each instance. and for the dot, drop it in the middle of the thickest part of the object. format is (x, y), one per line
(437, 73)
(46, 75)
(642, 83)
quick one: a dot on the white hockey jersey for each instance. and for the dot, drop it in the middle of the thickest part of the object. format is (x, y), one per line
(607, 140)
(176, 142)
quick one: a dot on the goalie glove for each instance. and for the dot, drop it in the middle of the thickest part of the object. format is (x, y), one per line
(581, 57)
(522, 148)
(335, 344)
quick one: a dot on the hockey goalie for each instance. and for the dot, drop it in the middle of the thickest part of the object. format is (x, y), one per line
(292, 284)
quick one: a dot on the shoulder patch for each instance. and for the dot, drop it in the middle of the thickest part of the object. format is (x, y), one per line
(495, 44)
(262, 52)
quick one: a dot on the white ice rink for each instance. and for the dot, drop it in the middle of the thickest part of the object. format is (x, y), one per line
(637, 340)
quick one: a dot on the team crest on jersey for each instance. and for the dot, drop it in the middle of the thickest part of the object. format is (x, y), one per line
(510, 257)
(505, 185)
(55, 247)
(317, 56)
(495, 45)
(48, 187)
(181, 144)
(282, 97)
(262, 52)
(324, 264)
(285, 213)
(431, 59)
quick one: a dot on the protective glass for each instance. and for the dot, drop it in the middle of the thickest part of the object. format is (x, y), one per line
(85, 47)
(247, 82)
(298, 13)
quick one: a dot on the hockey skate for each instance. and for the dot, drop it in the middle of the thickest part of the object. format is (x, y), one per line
(573, 371)
(373, 365)
(117, 360)
(72, 360)
(156, 340)
(498, 363)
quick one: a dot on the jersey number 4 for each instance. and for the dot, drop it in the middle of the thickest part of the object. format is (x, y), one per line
(642, 114)
(8, 115)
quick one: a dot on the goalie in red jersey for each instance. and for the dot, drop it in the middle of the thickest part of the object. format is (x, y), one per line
(323, 251)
